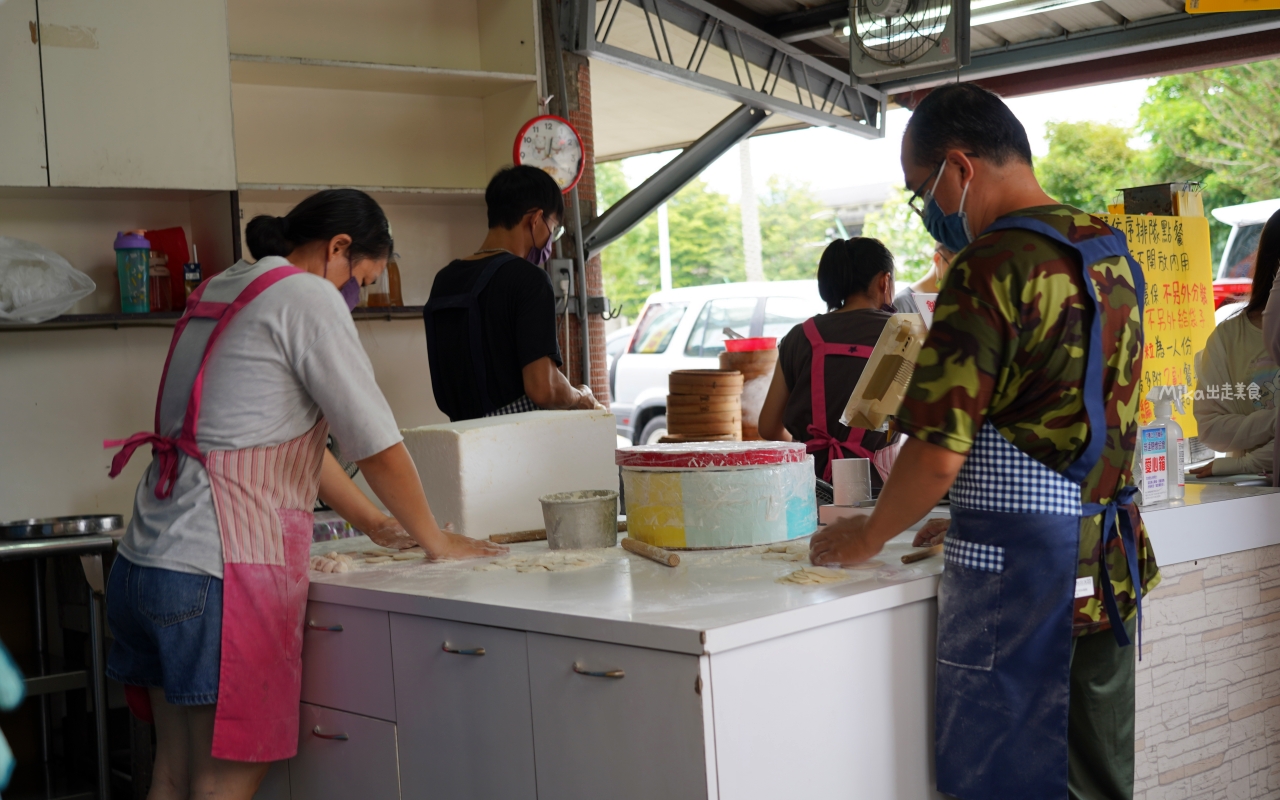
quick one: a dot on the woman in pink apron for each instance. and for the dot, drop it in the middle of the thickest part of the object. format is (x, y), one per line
(207, 598)
(820, 360)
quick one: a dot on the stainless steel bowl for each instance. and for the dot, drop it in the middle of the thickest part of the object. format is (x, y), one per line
(581, 520)
(55, 527)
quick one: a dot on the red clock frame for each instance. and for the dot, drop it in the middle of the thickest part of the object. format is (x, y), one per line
(582, 164)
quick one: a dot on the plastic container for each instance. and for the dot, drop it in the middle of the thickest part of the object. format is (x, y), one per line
(191, 276)
(747, 345)
(159, 289)
(718, 494)
(133, 263)
(581, 520)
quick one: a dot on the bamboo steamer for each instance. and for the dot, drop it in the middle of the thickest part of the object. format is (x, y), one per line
(673, 438)
(704, 405)
(757, 368)
(705, 382)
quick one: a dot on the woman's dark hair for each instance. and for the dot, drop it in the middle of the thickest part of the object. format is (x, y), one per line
(515, 191)
(962, 116)
(848, 266)
(321, 217)
(1265, 264)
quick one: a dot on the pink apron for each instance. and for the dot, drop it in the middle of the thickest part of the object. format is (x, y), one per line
(263, 498)
(819, 437)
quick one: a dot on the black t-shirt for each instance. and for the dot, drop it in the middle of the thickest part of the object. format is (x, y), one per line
(518, 313)
(795, 356)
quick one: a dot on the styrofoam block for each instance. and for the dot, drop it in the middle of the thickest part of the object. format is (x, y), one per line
(486, 475)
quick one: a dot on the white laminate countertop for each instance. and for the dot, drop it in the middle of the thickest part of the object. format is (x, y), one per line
(721, 600)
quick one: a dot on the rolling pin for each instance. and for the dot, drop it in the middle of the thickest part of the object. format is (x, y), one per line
(650, 552)
(539, 535)
(921, 555)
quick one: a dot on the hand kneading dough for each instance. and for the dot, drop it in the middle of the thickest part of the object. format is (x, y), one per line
(814, 575)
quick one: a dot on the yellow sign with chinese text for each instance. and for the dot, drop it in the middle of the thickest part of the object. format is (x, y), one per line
(1178, 309)
(1214, 6)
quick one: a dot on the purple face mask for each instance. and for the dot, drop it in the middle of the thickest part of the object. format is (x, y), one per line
(351, 293)
(539, 255)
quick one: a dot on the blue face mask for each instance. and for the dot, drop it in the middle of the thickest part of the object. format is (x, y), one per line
(951, 230)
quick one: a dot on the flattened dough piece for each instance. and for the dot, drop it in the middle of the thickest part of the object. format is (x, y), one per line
(814, 575)
(378, 560)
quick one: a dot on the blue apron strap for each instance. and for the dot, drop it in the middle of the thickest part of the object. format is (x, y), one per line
(1091, 251)
(471, 302)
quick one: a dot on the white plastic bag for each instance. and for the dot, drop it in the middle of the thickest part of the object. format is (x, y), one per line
(37, 284)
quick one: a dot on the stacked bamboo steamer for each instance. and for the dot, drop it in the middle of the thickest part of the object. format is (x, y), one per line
(704, 405)
(757, 367)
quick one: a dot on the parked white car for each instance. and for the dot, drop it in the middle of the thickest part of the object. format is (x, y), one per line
(684, 329)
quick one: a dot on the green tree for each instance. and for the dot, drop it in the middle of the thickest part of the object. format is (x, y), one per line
(903, 233)
(706, 241)
(1087, 162)
(793, 230)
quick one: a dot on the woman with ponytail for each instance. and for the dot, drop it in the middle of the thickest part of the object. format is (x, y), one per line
(820, 360)
(207, 599)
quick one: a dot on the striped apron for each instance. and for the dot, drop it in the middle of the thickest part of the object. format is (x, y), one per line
(263, 498)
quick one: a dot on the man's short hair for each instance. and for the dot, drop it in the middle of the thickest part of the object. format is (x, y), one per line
(964, 116)
(515, 191)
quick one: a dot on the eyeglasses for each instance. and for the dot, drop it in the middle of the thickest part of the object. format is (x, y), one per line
(556, 232)
(921, 193)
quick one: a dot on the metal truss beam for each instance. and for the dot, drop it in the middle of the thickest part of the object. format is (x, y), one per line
(1174, 30)
(641, 201)
(824, 95)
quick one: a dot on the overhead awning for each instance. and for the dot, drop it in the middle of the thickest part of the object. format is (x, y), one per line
(1017, 47)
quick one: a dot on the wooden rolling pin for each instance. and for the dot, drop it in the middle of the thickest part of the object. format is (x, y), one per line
(921, 555)
(539, 535)
(663, 557)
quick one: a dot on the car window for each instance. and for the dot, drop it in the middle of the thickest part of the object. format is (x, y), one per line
(707, 339)
(614, 345)
(781, 314)
(656, 327)
(1244, 249)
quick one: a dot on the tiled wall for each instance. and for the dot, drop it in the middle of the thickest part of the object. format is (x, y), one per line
(1208, 686)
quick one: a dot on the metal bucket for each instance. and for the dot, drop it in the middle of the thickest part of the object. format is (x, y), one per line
(581, 520)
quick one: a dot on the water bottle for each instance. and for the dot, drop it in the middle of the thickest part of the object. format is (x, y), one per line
(133, 263)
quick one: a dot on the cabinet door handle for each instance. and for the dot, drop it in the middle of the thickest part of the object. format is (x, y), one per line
(315, 626)
(462, 651)
(338, 737)
(608, 673)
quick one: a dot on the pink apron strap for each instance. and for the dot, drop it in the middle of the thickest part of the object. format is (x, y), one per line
(166, 448)
(820, 438)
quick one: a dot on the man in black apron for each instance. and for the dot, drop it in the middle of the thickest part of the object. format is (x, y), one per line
(1024, 404)
(491, 318)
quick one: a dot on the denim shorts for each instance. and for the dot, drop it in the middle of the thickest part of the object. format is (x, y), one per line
(167, 631)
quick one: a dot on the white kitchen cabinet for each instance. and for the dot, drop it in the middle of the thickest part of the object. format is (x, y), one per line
(462, 698)
(22, 158)
(137, 93)
(343, 756)
(616, 721)
(346, 660)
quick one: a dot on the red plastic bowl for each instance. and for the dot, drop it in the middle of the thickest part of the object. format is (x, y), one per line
(746, 345)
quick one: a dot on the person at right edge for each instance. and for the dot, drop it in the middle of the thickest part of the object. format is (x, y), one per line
(491, 317)
(1024, 404)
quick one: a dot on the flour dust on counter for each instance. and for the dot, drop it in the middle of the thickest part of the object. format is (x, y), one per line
(553, 561)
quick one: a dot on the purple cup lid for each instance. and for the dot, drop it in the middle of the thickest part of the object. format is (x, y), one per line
(131, 241)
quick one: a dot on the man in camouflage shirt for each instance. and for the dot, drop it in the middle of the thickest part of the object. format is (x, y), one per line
(1007, 348)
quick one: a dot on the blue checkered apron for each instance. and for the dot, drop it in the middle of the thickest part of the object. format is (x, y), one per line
(1006, 599)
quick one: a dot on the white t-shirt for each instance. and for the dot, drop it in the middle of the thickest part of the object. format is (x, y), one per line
(1236, 356)
(289, 357)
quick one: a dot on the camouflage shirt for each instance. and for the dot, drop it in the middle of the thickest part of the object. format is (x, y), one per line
(1008, 344)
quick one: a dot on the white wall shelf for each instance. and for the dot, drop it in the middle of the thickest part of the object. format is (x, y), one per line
(318, 73)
